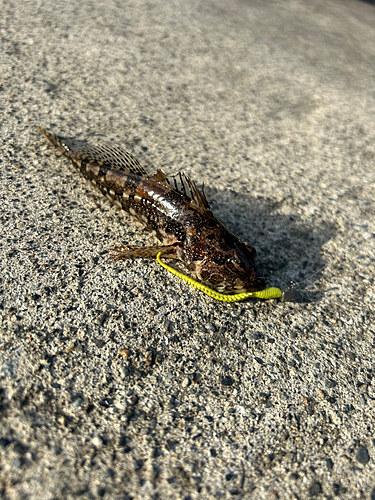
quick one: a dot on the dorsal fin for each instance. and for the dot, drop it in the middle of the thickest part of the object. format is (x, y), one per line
(188, 188)
(161, 178)
(110, 156)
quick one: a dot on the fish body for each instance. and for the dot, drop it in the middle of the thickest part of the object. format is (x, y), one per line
(177, 213)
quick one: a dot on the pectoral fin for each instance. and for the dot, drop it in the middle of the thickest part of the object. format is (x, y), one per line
(129, 252)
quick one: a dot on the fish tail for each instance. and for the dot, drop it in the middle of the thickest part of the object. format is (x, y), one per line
(56, 141)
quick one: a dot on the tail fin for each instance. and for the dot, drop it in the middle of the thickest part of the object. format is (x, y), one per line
(58, 142)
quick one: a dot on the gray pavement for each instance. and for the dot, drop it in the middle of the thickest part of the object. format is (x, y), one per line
(118, 381)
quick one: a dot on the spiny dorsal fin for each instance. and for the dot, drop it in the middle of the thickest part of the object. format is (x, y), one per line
(188, 188)
(161, 178)
(110, 156)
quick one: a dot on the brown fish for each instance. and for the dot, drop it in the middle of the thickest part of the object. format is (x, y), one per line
(176, 212)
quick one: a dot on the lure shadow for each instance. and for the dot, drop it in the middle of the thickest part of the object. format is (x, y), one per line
(288, 249)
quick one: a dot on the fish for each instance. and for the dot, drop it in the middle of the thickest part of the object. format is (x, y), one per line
(174, 210)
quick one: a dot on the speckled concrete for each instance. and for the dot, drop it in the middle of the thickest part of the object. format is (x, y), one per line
(117, 380)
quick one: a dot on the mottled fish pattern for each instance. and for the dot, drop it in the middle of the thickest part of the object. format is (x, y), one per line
(175, 211)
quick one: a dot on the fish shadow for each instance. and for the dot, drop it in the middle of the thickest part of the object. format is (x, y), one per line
(288, 248)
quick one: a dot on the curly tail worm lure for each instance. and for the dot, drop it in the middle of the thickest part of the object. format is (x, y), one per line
(267, 293)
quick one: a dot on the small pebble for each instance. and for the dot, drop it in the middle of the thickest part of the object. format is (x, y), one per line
(168, 325)
(315, 489)
(61, 420)
(362, 399)
(28, 456)
(149, 358)
(259, 360)
(362, 455)
(49, 87)
(330, 384)
(97, 442)
(77, 403)
(329, 463)
(227, 381)
(185, 383)
(133, 400)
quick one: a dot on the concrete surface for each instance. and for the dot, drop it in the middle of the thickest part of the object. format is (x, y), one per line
(117, 380)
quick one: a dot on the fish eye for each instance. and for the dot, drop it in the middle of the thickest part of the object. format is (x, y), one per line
(234, 260)
(232, 263)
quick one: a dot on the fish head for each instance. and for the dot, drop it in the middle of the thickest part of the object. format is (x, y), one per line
(228, 265)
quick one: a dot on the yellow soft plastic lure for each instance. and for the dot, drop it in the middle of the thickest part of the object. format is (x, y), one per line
(267, 293)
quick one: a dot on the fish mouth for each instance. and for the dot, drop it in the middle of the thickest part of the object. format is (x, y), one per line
(226, 281)
(230, 291)
(240, 287)
(234, 291)
(225, 287)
